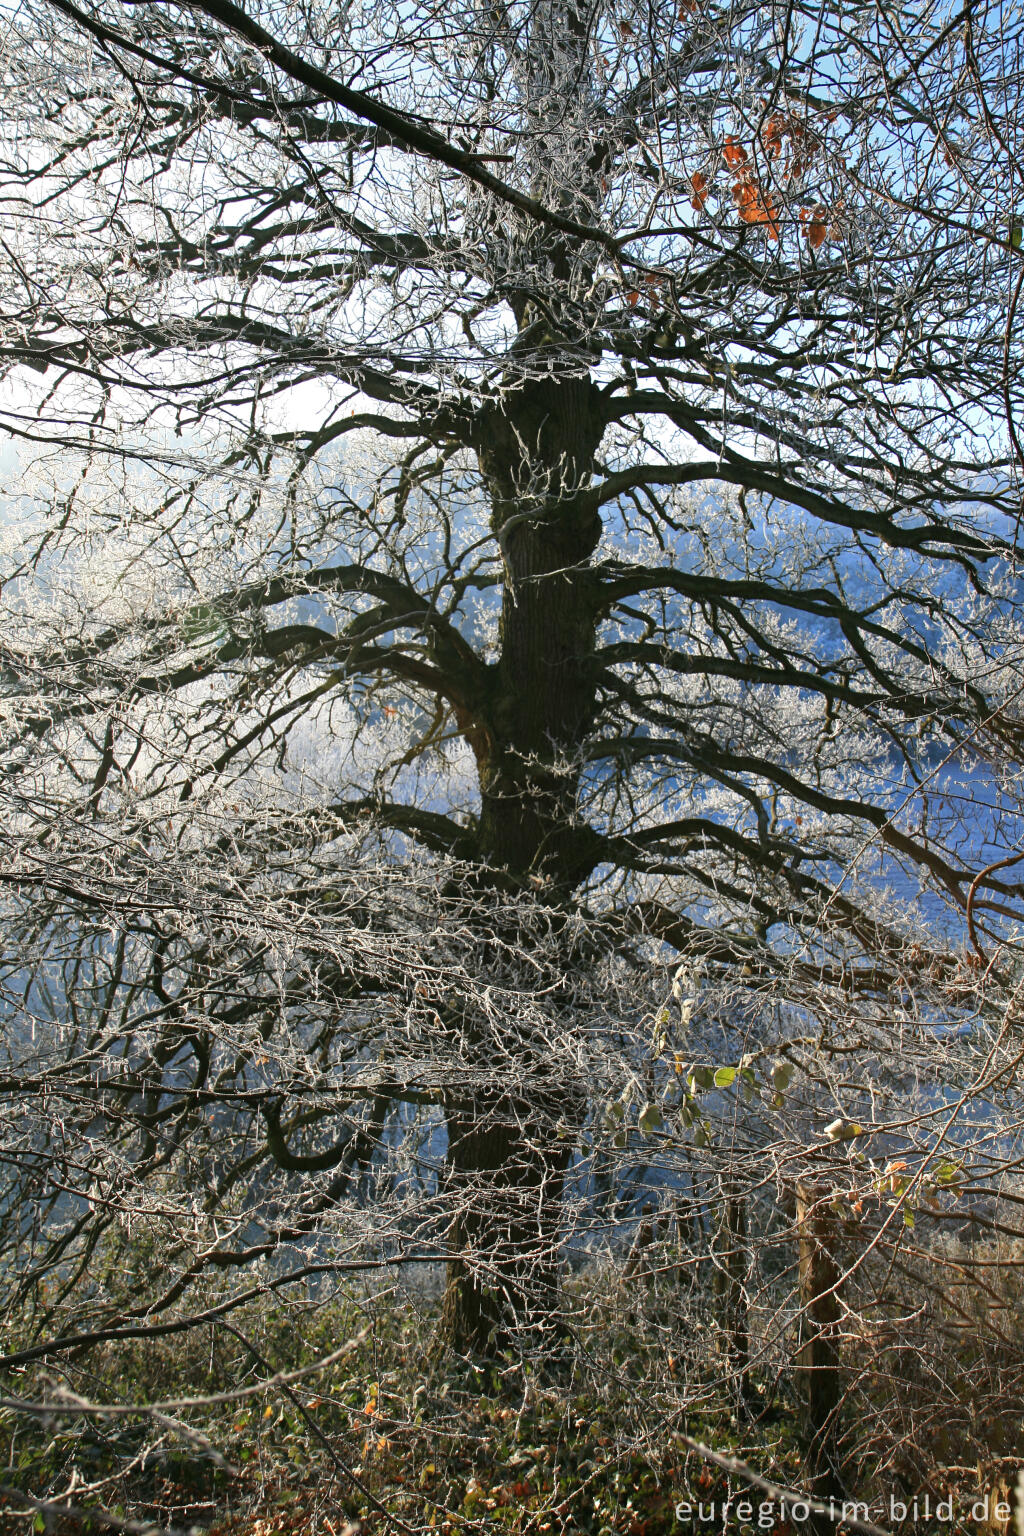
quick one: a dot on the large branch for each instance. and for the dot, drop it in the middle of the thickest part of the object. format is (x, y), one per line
(936, 539)
(699, 664)
(725, 766)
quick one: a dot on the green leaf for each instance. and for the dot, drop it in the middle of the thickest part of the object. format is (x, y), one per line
(782, 1075)
(651, 1119)
(843, 1130)
(474, 1491)
(725, 1077)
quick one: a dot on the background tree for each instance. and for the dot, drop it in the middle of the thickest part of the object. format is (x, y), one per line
(531, 500)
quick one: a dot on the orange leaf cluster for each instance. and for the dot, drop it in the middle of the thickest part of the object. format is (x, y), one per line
(790, 145)
(653, 284)
(754, 204)
(785, 138)
(816, 225)
(735, 154)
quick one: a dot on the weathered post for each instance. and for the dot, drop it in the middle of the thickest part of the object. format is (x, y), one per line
(818, 1370)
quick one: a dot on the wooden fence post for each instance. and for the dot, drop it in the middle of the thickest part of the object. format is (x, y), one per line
(818, 1371)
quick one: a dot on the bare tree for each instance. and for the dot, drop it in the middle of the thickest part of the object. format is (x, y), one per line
(521, 497)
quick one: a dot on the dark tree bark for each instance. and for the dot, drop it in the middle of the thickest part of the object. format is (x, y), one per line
(537, 459)
(505, 1179)
(507, 1158)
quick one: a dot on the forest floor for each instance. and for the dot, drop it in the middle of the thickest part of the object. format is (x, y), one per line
(390, 1438)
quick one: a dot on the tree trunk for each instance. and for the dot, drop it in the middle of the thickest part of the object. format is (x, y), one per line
(537, 458)
(509, 1145)
(506, 1170)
